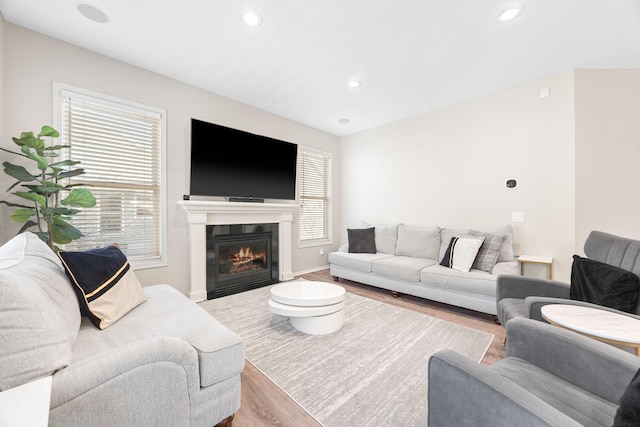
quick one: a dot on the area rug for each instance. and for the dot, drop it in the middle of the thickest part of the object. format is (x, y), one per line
(372, 372)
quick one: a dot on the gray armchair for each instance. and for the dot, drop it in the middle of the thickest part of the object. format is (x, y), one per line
(518, 296)
(550, 377)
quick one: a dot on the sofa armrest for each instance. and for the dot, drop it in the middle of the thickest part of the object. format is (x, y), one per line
(464, 393)
(511, 286)
(113, 387)
(587, 363)
(344, 248)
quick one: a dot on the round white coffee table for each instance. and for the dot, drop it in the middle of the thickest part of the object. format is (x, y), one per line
(315, 308)
(602, 325)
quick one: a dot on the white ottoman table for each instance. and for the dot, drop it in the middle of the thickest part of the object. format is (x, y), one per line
(315, 308)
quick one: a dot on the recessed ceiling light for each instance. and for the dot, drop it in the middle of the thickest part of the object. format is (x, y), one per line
(344, 121)
(509, 14)
(252, 19)
(354, 84)
(92, 12)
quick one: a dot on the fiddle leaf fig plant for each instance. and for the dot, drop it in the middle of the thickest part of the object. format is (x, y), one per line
(48, 204)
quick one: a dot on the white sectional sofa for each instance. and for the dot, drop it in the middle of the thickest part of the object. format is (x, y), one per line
(407, 260)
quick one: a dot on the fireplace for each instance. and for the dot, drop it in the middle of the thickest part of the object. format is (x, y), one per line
(241, 257)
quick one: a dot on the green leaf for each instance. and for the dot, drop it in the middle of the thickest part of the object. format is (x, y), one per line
(27, 225)
(79, 197)
(14, 205)
(22, 215)
(59, 211)
(32, 196)
(65, 163)
(18, 172)
(62, 232)
(26, 138)
(48, 131)
(69, 174)
(41, 161)
(57, 147)
(48, 187)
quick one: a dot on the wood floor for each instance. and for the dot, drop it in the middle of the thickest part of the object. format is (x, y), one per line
(264, 404)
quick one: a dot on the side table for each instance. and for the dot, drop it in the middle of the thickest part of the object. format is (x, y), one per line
(602, 325)
(536, 259)
(26, 405)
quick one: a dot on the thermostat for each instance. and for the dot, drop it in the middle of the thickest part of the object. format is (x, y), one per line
(511, 183)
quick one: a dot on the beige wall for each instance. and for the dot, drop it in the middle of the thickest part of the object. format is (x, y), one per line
(607, 153)
(32, 62)
(448, 168)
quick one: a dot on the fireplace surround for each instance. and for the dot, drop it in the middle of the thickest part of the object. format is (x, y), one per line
(199, 214)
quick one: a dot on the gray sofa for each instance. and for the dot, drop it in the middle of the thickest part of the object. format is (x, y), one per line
(165, 363)
(408, 261)
(550, 377)
(519, 296)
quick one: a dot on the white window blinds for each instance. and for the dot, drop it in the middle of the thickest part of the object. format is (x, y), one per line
(315, 196)
(120, 149)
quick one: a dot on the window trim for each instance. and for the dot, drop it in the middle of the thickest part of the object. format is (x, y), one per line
(325, 240)
(59, 89)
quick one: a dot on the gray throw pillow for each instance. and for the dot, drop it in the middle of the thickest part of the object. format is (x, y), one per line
(362, 240)
(489, 251)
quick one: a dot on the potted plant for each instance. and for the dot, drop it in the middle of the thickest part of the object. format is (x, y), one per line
(50, 203)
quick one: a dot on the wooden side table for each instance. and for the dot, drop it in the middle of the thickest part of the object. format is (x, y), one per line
(602, 325)
(536, 259)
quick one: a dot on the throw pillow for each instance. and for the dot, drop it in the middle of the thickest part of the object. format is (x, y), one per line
(105, 285)
(362, 240)
(489, 251)
(461, 253)
(604, 284)
(628, 413)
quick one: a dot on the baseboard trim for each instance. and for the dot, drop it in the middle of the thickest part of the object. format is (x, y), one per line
(311, 270)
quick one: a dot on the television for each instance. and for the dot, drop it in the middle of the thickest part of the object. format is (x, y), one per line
(239, 165)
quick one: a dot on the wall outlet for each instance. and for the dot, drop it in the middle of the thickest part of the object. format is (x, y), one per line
(517, 216)
(322, 252)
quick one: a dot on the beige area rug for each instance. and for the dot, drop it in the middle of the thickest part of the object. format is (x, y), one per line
(372, 372)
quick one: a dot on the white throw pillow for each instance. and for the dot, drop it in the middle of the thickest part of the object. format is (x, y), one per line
(461, 253)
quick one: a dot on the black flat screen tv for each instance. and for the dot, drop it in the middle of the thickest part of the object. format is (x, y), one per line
(235, 164)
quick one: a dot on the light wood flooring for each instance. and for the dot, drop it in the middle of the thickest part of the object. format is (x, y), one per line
(264, 404)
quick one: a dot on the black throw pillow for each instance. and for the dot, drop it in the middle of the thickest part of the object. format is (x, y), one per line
(604, 284)
(362, 240)
(628, 413)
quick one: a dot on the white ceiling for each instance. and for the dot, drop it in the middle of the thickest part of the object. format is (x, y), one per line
(412, 56)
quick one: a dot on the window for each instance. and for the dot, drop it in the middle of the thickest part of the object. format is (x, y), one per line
(121, 146)
(315, 198)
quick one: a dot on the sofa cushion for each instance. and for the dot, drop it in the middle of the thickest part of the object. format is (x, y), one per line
(362, 240)
(474, 281)
(169, 313)
(461, 253)
(489, 251)
(401, 267)
(105, 285)
(39, 313)
(419, 242)
(357, 262)
(386, 237)
(584, 407)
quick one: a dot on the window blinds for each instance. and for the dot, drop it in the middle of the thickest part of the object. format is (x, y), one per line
(315, 196)
(119, 148)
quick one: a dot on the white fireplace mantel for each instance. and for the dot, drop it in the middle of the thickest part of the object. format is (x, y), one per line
(203, 213)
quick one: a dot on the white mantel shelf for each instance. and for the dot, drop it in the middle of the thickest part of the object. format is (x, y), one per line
(203, 213)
